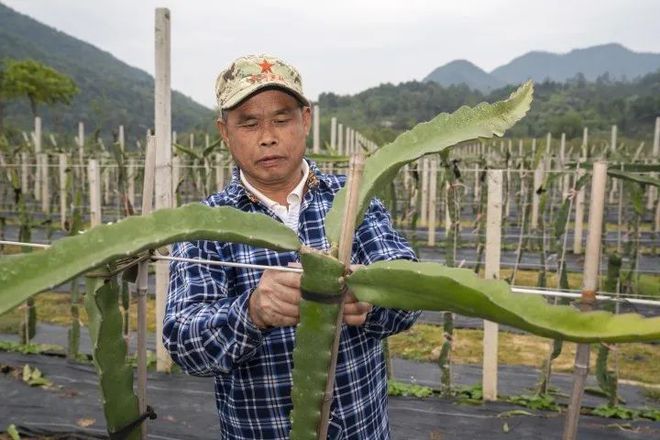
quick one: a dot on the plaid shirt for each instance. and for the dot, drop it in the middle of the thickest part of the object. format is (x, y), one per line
(208, 332)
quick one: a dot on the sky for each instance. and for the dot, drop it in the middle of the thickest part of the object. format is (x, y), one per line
(346, 46)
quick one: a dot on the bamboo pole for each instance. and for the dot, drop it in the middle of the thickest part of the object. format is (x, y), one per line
(163, 164)
(142, 285)
(433, 184)
(588, 297)
(492, 271)
(356, 168)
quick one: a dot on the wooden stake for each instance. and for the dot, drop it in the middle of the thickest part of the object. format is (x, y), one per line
(589, 287)
(538, 181)
(492, 271)
(25, 173)
(42, 161)
(333, 133)
(356, 168)
(615, 182)
(316, 147)
(163, 165)
(121, 139)
(62, 175)
(130, 175)
(80, 141)
(36, 140)
(94, 179)
(423, 214)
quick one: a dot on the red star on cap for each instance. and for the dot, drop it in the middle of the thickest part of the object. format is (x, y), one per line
(265, 66)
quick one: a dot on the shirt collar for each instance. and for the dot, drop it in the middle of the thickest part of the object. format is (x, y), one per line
(294, 196)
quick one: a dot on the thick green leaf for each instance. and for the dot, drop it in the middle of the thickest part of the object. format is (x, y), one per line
(314, 337)
(430, 286)
(443, 131)
(120, 404)
(23, 276)
(639, 178)
(616, 166)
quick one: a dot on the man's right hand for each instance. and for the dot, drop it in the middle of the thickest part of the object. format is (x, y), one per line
(276, 300)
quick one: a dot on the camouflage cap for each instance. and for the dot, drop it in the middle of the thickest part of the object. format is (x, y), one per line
(250, 73)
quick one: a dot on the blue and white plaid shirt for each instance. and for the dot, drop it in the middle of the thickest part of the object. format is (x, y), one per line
(208, 332)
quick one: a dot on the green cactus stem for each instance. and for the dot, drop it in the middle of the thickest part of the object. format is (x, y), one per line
(430, 286)
(25, 275)
(120, 404)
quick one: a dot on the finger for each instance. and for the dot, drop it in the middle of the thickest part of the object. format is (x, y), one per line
(358, 308)
(355, 267)
(289, 279)
(286, 309)
(288, 295)
(355, 320)
(350, 298)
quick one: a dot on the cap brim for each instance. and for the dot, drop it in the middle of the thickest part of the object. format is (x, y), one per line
(249, 91)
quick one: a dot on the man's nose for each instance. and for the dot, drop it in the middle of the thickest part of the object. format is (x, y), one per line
(268, 137)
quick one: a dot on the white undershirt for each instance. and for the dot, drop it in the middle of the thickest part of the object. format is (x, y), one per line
(290, 215)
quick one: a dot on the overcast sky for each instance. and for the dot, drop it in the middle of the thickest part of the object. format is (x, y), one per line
(347, 46)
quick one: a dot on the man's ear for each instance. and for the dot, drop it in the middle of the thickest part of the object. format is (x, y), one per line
(222, 129)
(307, 118)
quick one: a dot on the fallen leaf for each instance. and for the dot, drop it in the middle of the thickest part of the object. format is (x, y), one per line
(85, 422)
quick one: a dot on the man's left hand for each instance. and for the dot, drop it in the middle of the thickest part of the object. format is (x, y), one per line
(355, 312)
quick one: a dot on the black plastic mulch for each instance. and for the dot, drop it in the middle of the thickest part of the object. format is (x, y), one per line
(186, 410)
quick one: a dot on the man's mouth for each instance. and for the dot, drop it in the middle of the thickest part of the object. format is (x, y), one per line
(270, 160)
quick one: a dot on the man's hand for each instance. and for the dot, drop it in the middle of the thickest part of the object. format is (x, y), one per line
(275, 301)
(355, 312)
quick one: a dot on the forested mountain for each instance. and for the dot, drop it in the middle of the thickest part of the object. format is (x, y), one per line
(382, 112)
(612, 60)
(111, 92)
(464, 72)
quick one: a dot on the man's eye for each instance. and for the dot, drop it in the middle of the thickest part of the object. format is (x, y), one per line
(282, 120)
(248, 124)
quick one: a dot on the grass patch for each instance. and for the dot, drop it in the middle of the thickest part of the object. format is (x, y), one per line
(639, 362)
(54, 308)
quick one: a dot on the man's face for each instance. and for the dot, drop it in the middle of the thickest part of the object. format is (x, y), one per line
(266, 137)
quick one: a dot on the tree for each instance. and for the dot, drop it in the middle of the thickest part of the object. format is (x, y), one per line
(40, 83)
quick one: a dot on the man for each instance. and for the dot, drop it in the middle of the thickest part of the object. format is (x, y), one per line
(238, 325)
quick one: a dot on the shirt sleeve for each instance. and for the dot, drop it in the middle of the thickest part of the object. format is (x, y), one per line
(205, 330)
(376, 240)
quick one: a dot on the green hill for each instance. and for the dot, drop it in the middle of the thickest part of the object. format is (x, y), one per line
(464, 72)
(112, 93)
(382, 112)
